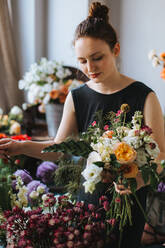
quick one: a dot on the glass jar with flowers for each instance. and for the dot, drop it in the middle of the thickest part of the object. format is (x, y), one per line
(47, 84)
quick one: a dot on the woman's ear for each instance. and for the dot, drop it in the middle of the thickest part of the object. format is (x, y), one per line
(116, 49)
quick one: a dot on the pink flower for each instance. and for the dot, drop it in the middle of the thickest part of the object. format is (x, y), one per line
(106, 205)
(91, 207)
(112, 222)
(93, 123)
(118, 112)
(106, 127)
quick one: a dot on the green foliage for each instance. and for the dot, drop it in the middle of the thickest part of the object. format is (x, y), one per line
(75, 148)
(68, 175)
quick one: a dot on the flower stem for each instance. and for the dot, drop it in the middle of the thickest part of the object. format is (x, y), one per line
(140, 206)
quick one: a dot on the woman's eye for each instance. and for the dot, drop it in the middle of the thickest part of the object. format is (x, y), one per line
(98, 58)
(82, 61)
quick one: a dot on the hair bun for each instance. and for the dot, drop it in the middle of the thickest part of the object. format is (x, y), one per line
(98, 10)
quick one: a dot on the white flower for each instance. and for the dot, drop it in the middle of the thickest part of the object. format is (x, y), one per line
(21, 84)
(93, 157)
(141, 158)
(15, 128)
(46, 99)
(34, 195)
(15, 110)
(45, 197)
(133, 141)
(92, 173)
(40, 189)
(155, 62)
(24, 106)
(151, 54)
(152, 149)
(89, 186)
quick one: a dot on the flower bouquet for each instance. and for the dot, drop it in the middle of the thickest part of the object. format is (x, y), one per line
(158, 60)
(47, 82)
(116, 153)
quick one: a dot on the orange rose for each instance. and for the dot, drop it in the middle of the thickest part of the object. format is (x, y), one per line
(108, 134)
(64, 89)
(124, 153)
(68, 83)
(54, 94)
(129, 170)
(162, 74)
(162, 56)
(62, 98)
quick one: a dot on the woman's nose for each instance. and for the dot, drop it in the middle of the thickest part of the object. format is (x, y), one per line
(90, 66)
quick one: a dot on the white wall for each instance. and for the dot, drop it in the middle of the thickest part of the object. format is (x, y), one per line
(142, 29)
(63, 17)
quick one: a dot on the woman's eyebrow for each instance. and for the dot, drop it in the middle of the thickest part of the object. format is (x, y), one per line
(93, 54)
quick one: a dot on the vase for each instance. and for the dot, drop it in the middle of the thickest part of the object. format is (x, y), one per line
(53, 117)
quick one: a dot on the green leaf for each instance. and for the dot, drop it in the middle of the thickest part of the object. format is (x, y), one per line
(113, 157)
(76, 148)
(133, 184)
(145, 174)
(99, 164)
(154, 166)
(153, 180)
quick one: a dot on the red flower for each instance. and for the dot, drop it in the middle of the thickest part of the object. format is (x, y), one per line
(21, 137)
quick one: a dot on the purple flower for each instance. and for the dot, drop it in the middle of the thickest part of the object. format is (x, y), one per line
(45, 171)
(161, 187)
(25, 176)
(33, 185)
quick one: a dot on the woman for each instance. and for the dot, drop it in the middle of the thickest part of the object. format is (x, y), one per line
(97, 48)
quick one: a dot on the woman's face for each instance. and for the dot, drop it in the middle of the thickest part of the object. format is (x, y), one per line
(96, 59)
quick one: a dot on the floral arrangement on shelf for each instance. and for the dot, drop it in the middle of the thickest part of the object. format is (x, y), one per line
(47, 82)
(11, 123)
(158, 60)
(116, 152)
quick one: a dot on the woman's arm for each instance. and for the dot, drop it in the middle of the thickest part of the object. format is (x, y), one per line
(153, 117)
(67, 128)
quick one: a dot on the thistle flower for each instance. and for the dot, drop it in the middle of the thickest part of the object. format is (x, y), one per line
(45, 171)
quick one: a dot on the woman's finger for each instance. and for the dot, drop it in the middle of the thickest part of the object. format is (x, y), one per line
(4, 146)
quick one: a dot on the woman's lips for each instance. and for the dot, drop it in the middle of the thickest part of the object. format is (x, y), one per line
(94, 75)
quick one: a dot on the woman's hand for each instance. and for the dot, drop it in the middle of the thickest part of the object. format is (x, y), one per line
(122, 190)
(9, 147)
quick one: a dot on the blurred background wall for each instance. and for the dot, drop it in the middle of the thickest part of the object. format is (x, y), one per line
(46, 28)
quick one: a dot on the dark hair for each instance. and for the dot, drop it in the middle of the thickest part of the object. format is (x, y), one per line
(97, 25)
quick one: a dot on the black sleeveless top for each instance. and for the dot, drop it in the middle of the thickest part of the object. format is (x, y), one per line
(88, 101)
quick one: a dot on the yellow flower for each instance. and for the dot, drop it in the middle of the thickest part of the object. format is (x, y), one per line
(124, 153)
(125, 108)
